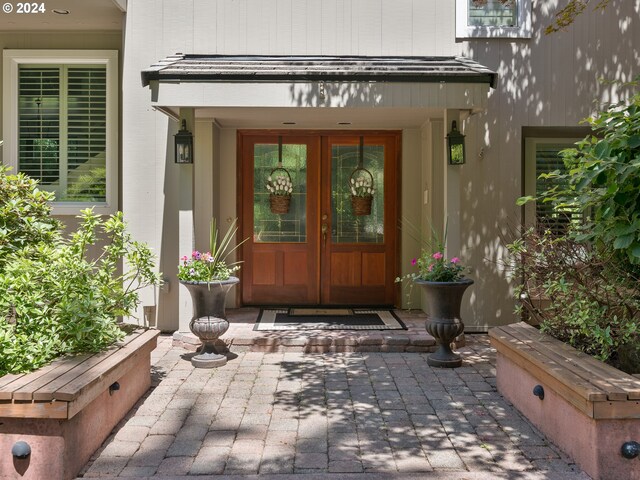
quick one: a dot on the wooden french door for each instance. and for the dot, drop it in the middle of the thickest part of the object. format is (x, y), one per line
(319, 252)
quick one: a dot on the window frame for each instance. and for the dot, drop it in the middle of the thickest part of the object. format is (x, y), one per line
(529, 173)
(522, 30)
(12, 60)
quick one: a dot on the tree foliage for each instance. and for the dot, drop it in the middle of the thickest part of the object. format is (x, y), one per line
(567, 14)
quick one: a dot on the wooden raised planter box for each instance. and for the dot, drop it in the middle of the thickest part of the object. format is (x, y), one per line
(589, 409)
(64, 411)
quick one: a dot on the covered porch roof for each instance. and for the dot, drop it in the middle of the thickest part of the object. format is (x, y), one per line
(240, 81)
(244, 68)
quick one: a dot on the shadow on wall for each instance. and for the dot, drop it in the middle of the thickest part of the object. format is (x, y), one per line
(548, 80)
(345, 94)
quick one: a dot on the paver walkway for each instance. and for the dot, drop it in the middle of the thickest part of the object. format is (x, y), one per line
(347, 416)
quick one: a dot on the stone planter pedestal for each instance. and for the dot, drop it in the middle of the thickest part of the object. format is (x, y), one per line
(443, 318)
(209, 321)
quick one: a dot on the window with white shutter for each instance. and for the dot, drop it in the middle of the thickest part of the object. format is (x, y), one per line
(493, 18)
(62, 125)
(542, 156)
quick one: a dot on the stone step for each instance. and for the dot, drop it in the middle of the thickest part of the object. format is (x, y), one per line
(242, 338)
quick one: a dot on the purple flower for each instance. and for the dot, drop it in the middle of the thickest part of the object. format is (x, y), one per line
(192, 272)
(455, 260)
(437, 255)
(414, 261)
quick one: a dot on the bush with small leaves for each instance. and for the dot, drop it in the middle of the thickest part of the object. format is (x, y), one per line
(56, 298)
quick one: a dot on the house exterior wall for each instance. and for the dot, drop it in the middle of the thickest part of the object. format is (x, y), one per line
(105, 40)
(546, 81)
(543, 81)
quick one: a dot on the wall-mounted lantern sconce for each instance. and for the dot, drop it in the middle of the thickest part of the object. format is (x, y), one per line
(184, 144)
(455, 141)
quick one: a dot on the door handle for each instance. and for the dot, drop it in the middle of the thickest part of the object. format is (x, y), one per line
(324, 234)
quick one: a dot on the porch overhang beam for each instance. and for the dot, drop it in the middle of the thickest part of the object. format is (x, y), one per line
(471, 97)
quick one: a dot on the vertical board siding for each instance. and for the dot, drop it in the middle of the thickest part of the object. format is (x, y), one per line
(397, 32)
(314, 26)
(284, 31)
(344, 24)
(175, 15)
(328, 15)
(205, 19)
(442, 39)
(423, 18)
(369, 26)
(310, 27)
(298, 28)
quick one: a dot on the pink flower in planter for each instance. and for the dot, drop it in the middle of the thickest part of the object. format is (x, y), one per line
(414, 261)
(437, 255)
(455, 260)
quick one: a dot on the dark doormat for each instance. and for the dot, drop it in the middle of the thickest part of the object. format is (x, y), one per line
(273, 319)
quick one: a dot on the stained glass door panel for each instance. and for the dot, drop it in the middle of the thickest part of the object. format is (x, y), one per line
(280, 258)
(358, 260)
(318, 252)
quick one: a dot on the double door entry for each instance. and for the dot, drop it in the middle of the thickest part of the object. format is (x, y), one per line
(319, 246)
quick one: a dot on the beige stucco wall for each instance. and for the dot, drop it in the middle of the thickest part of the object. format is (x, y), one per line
(545, 81)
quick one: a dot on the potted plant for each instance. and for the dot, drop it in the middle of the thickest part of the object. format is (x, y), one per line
(208, 277)
(444, 284)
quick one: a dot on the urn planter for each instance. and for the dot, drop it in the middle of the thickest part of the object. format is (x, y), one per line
(443, 318)
(209, 320)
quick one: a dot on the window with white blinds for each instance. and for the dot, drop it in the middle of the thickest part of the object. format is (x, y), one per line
(60, 124)
(542, 157)
(493, 18)
(62, 129)
(548, 217)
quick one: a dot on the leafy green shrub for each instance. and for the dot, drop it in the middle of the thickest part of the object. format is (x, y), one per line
(602, 180)
(25, 214)
(56, 299)
(590, 303)
(590, 276)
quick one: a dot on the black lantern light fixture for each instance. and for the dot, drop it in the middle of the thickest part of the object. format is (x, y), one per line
(455, 141)
(184, 144)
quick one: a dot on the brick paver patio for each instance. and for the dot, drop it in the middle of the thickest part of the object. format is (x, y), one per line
(356, 415)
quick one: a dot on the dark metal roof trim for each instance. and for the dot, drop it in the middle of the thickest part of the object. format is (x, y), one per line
(244, 68)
